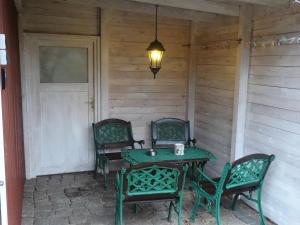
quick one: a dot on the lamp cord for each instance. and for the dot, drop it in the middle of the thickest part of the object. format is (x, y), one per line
(156, 7)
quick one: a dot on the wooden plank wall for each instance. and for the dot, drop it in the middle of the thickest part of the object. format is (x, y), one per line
(40, 16)
(215, 91)
(273, 117)
(133, 93)
(12, 116)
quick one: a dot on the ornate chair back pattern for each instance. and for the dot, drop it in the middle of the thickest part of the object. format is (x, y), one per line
(152, 180)
(171, 131)
(168, 131)
(248, 171)
(113, 133)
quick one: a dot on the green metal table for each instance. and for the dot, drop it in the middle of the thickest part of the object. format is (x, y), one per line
(191, 154)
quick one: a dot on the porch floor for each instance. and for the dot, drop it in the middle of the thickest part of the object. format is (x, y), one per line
(79, 199)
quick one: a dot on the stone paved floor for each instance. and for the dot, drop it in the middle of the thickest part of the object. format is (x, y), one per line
(79, 199)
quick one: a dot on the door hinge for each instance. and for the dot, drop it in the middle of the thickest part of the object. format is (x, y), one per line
(3, 61)
(3, 53)
(1, 183)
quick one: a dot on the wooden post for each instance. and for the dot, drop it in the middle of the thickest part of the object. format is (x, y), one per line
(104, 83)
(241, 83)
(192, 78)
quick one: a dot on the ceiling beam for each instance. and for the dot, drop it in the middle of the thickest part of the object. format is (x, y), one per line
(142, 8)
(270, 3)
(198, 5)
(275, 3)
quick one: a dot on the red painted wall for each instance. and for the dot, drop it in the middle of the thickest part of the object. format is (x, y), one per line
(12, 115)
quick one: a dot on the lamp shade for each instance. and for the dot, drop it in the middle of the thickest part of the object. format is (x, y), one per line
(155, 54)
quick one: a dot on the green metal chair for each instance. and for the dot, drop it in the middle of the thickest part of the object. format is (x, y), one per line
(166, 132)
(245, 175)
(111, 134)
(151, 182)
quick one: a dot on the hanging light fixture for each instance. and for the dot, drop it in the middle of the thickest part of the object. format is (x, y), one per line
(155, 51)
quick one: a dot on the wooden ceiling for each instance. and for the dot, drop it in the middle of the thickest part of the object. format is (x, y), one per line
(223, 7)
(197, 10)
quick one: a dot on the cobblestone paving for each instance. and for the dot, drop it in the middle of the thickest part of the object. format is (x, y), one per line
(79, 199)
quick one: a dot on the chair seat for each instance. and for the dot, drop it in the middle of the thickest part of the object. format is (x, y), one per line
(150, 198)
(113, 155)
(210, 188)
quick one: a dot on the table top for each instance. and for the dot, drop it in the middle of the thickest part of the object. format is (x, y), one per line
(137, 156)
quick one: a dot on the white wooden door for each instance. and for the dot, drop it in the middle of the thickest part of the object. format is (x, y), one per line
(60, 102)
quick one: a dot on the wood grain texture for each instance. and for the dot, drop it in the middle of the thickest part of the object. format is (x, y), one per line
(51, 17)
(273, 115)
(12, 116)
(215, 80)
(133, 94)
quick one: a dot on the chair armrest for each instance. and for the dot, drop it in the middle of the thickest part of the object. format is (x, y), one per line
(202, 174)
(140, 142)
(192, 141)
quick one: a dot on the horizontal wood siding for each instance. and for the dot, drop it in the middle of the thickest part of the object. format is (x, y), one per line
(273, 117)
(214, 92)
(42, 16)
(133, 93)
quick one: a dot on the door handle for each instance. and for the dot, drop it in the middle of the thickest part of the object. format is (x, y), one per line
(91, 103)
(1, 183)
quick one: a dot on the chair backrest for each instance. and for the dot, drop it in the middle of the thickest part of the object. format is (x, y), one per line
(246, 173)
(169, 131)
(153, 179)
(113, 133)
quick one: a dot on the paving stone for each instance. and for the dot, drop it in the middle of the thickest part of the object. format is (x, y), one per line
(54, 182)
(59, 220)
(27, 201)
(41, 221)
(108, 205)
(93, 203)
(72, 192)
(76, 219)
(30, 182)
(81, 212)
(63, 212)
(27, 194)
(40, 195)
(43, 213)
(43, 205)
(28, 211)
(42, 180)
(42, 187)
(78, 202)
(84, 177)
(27, 221)
(100, 211)
(59, 189)
(61, 200)
(68, 176)
(58, 206)
(58, 194)
(29, 188)
(102, 220)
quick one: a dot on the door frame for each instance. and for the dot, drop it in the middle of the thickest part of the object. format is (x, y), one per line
(28, 65)
(3, 198)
